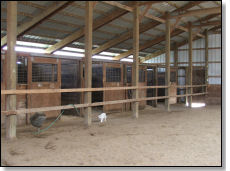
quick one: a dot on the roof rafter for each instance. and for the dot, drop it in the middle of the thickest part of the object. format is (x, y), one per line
(214, 10)
(80, 33)
(151, 43)
(143, 28)
(38, 19)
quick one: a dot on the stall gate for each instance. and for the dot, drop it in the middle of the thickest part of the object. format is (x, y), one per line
(44, 73)
(113, 77)
(128, 82)
(152, 81)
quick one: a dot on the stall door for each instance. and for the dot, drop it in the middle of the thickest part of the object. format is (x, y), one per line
(198, 78)
(44, 73)
(113, 77)
(127, 83)
(152, 81)
(142, 82)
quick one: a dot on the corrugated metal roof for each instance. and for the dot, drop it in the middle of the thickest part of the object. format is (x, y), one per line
(71, 18)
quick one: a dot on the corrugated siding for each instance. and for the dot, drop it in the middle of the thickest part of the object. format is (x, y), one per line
(161, 59)
(199, 56)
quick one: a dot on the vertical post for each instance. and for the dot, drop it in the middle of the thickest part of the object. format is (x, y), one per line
(167, 61)
(176, 55)
(206, 60)
(176, 61)
(190, 63)
(156, 83)
(135, 68)
(88, 59)
(11, 70)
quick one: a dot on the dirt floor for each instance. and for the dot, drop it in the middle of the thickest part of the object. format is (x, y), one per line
(184, 137)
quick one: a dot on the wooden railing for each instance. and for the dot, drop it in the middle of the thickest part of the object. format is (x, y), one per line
(43, 109)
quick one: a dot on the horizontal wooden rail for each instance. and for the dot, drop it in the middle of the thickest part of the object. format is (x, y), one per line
(44, 109)
(38, 91)
(185, 86)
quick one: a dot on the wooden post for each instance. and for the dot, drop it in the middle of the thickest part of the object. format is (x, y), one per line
(176, 55)
(135, 68)
(11, 71)
(156, 83)
(206, 60)
(88, 59)
(167, 60)
(176, 61)
(190, 63)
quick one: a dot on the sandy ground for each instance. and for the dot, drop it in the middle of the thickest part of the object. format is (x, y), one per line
(158, 138)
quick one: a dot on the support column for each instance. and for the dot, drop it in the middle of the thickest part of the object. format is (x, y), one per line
(206, 60)
(135, 68)
(167, 60)
(11, 71)
(176, 55)
(190, 63)
(176, 62)
(88, 60)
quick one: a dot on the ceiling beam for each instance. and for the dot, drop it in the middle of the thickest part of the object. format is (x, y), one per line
(151, 43)
(80, 33)
(179, 44)
(214, 10)
(149, 3)
(123, 37)
(210, 23)
(161, 20)
(148, 44)
(128, 35)
(38, 19)
(145, 12)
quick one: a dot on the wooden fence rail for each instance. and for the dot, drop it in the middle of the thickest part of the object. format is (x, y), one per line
(43, 109)
(38, 91)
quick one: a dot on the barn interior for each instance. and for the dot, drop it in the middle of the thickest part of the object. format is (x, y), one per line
(154, 68)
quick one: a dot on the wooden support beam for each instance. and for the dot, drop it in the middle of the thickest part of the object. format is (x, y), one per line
(135, 68)
(189, 74)
(175, 55)
(145, 12)
(123, 37)
(148, 44)
(80, 33)
(175, 25)
(215, 10)
(119, 5)
(153, 55)
(187, 6)
(143, 27)
(149, 3)
(38, 19)
(88, 59)
(11, 68)
(157, 53)
(210, 23)
(206, 58)
(167, 60)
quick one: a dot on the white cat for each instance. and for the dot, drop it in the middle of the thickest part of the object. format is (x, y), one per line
(102, 117)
